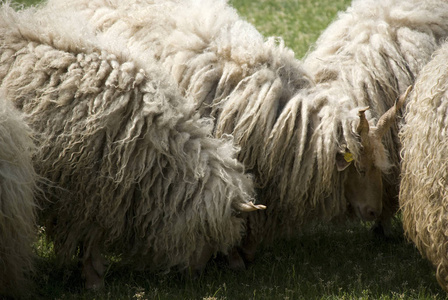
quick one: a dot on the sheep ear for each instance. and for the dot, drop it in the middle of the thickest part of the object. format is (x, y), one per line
(363, 127)
(343, 160)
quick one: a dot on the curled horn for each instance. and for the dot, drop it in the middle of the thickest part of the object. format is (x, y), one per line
(248, 207)
(363, 127)
(388, 118)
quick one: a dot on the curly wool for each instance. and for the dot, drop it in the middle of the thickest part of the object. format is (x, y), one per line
(423, 190)
(375, 50)
(288, 130)
(17, 205)
(137, 172)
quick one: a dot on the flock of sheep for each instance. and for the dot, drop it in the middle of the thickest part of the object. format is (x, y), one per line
(165, 132)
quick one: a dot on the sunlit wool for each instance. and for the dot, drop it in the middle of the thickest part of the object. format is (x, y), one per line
(137, 172)
(289, 131)
(424, 193)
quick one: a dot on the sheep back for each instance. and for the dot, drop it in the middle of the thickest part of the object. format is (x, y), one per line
(233, 73)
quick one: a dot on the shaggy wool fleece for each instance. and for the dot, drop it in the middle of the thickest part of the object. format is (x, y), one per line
(289, 131)
(423, 193)
(137, 173)
(375, 49)
(17, 205)
(209, 51)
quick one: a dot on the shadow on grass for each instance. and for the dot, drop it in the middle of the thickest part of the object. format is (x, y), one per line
(326, 262)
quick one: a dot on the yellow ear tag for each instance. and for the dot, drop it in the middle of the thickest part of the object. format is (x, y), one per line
(348, 157)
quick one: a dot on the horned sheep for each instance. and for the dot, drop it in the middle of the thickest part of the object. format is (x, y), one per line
(294, 136)
(135, 171)
(17, 205)
(375, 49)
(423, 192)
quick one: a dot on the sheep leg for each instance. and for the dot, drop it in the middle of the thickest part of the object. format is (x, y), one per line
(383, 226)
(234, 259)
(197, 265)
(93, 269)
(249, 247)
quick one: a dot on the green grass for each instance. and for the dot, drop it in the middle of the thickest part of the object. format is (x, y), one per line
(27, 2)
(298, 22)
(326, 262)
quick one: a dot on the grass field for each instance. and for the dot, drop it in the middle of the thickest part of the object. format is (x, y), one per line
(326, 262)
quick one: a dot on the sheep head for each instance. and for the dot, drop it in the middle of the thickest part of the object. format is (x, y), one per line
(364, 185)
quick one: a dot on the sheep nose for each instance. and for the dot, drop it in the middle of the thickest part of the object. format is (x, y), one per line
(371, 214)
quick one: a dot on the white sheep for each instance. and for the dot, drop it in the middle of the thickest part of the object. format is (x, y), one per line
(17, 206)
(424, 189)
(294, 136)
(375, 49)
(135, 172)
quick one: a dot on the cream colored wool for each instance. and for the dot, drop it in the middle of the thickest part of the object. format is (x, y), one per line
(209, 50)
(375, 50)
(288, 130)
(137, 172)
(17, 206)
(423, 193)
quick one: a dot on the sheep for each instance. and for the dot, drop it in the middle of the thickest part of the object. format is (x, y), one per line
(423, 189)
(134, 171)
(376, 48)
(17, 209)
(295, 137)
